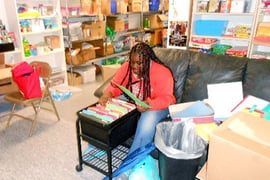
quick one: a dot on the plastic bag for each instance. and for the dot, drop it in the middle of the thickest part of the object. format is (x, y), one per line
(179, 140)
(27, 80)
(137, 156)
(145, 170)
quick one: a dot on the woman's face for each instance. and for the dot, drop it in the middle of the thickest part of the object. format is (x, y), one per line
(137, 64)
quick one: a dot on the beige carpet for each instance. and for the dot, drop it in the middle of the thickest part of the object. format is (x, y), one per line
(51, 152)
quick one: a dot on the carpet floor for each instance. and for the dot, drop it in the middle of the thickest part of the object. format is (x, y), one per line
(51, 152)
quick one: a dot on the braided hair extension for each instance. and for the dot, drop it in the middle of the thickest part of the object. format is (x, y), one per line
(147, 54)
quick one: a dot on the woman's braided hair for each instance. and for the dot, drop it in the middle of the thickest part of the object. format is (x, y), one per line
(147, 54)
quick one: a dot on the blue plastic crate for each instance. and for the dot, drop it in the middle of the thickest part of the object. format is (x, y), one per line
(210, 27)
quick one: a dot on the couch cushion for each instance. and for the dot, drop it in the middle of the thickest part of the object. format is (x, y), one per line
(177, 60)
(257, 81)
(209, 69)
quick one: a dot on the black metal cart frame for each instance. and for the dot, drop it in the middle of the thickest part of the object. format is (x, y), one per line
(107, 138)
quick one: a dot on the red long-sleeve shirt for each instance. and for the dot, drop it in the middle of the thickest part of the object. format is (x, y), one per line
(161, 81)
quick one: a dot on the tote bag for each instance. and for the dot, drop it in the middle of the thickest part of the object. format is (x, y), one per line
(27, 80)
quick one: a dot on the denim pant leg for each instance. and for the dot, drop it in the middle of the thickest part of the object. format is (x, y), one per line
(146, 127)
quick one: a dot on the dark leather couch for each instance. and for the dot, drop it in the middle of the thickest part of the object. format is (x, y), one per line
(193, 71)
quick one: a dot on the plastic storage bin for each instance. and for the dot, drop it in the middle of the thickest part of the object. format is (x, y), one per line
(210, 27)
(109, 134)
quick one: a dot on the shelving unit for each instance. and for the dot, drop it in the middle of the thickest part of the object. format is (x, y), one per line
(12, 25)
(134, 20)
(40, 23)
(243, 20)
(260, 47)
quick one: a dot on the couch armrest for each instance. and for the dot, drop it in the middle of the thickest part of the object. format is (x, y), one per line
(99, 91)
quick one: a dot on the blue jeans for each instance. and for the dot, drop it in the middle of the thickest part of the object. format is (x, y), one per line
(146, 127)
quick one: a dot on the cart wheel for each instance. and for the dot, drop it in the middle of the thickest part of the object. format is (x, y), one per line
(78, 168)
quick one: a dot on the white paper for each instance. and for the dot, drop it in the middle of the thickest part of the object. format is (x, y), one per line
(223, 97)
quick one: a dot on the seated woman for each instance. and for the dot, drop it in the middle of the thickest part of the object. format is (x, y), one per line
(150, 81)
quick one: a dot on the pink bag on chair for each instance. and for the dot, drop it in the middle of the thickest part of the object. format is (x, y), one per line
(27, 80)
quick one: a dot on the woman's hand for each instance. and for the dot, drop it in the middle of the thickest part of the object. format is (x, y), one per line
(141, 108)
(105, 98)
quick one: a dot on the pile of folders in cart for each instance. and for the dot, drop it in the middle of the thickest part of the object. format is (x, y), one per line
(113, 110)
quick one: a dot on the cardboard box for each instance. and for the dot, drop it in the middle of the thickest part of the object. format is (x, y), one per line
(145, 5)
(117, 25)
(74, 78)
(240, 149)
(90, 7)
(79, 55)
(122, 7)
(202, 173)
(6, 83)
(2, 58)
(134, 5)
(102, 50)
(53, 41)
(88, 73)
(156, 37)
(94, 29)
(158, 20)
(106, 7)
(166, 5)
(109, 70)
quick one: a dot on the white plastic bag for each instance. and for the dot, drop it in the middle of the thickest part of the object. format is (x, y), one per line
(179, 140)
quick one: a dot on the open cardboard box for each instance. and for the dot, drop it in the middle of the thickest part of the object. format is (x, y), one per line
(239, 149)
(6, 83)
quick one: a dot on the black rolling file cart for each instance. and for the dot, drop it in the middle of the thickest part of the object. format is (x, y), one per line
(108, 138)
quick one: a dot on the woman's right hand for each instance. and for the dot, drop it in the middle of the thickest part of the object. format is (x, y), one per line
(105, 98)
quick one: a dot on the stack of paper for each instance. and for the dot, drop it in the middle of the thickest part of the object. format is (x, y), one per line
(257, 106)
(198, 111)
(201, 114)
